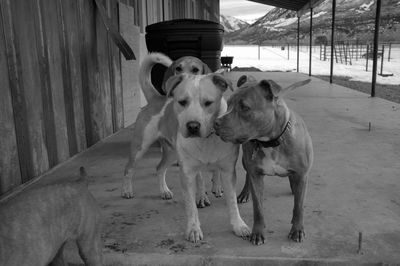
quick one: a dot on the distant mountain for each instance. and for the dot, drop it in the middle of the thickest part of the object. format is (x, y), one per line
(232, 24)
(355, 20)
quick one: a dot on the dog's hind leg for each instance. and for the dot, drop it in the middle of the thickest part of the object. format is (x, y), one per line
(59, 258)
(168, 158)
(292, 184)
(299, 184)
(245, 194)
(216, 184)
(141, 141)
(90, 246)
(201, 189)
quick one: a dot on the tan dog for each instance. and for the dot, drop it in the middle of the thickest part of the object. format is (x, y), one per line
(275, 142)
(35, 225)
(186, 64)
(141, 137)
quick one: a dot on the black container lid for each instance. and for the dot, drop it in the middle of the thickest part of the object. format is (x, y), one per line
(190, 24)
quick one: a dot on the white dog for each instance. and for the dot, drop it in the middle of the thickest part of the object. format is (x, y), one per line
(184, 121)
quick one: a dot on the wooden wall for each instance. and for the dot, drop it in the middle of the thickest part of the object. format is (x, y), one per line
(62, 80)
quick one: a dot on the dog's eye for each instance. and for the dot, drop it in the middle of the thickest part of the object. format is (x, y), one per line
(183, 103)
(195, 70)
(243, 107)
(208, 103)
(178, 69)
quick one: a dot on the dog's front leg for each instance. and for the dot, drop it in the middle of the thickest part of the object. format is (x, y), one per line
(257, 192)
(188, 182)
(201, 189)
(229, 184)
(298, 183)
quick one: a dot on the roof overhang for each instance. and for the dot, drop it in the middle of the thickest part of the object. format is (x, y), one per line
(301, 6)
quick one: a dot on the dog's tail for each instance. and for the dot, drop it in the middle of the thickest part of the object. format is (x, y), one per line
(145, 73)
(82, 175)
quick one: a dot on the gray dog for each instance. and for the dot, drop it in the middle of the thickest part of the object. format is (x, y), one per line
(35, 225)
(275, 142)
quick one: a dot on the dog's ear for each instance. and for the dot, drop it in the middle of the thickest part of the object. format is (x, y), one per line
(172, 83)
(270, 88)
(221, 82)
(206, 69)
(244, 79)
(293, 86)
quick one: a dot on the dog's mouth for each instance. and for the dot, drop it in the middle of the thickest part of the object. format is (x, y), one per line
(229, 138)
(193, 135)
(240, 140)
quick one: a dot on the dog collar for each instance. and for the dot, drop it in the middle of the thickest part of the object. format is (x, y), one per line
(273, 142)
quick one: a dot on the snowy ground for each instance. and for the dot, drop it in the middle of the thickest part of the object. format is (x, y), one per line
(276, 59)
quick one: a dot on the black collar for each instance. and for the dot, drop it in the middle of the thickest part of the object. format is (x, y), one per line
(273, 142)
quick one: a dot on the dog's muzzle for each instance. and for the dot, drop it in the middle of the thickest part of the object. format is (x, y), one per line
(193, 129)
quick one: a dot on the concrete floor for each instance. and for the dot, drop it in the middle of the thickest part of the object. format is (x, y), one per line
(354, 187)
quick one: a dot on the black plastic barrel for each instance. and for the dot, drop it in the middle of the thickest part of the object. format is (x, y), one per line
(185, 37)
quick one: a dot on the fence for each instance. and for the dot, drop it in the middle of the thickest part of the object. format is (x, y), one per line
(346, 52)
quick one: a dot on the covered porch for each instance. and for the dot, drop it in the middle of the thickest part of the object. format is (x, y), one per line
(353, 189)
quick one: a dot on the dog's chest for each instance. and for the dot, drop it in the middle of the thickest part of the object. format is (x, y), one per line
(270, 162)
(205, 151)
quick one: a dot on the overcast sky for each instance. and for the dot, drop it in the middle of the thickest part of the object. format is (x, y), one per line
(242, 9)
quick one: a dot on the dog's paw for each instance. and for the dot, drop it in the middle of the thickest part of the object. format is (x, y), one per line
(242, 230)
(297, 233)
(243, 197)
(127, 192)
(167, 194)
(203, 202)
(257, 238)
(194, 234)
(216, 188)
(217, 191)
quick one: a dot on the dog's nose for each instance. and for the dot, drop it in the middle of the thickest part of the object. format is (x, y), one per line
(217, 123)
(193, 127)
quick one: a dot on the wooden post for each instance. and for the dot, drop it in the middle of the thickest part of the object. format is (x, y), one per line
(366, 57)
(376, 40)
(298, 42)
(310, 52)
(383, 55)
(288, 51)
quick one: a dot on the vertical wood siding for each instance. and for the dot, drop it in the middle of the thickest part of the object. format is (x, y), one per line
(61, 79)
(60, 84)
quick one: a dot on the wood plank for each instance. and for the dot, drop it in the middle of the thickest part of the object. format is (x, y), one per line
(17, 92)
(10, 173)
(50, 27)
(101, 95)
(24, 33)
(115, 72)
(129, 69)
(89, 64)
(66, 74)
(70, 11)
(44, 71)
